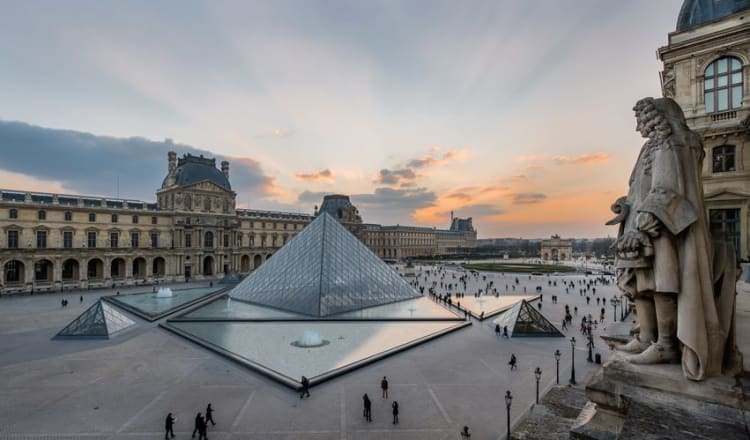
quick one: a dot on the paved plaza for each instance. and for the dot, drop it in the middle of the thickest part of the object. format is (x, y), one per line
(124, 387)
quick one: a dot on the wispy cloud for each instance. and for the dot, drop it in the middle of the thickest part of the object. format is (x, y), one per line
(583, 159)
(325, 175)
(528, 198)
(275, 133)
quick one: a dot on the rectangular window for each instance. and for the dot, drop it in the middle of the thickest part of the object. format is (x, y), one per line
(68, 216)
(188, 240)
(12, 239)
(91, 240)
(723, 159)
(113, 239)
(226, 240)
(725, 226)
(154, 220)
(154, 239)
(114, 218)
(133, 240)
(41, 239)
(135, 219)
(13, 213)
(42, 215)
(68, 239)
(92, 217)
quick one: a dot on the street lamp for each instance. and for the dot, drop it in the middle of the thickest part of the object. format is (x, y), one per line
(590, 344)
(557, 359)
(614, 303)
(508, 401)
(573, 360)
(538, 375)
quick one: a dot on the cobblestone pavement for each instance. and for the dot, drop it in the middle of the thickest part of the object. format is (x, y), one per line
(123, 388)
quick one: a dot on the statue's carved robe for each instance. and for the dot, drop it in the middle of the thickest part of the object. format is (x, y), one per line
(666, 182)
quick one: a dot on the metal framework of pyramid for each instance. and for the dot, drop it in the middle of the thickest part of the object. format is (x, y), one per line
(322, 271)
(524, 320)
(101, 320)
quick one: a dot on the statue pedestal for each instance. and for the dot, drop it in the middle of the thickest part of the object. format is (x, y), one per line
(629, 401)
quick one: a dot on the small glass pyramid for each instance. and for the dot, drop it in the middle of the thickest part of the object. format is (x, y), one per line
(524, 320)
(322, 271)
(98, 321)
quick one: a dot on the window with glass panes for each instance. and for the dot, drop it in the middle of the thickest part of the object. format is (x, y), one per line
(92, 217)
(13, 213)
(41, 239)
(113, 239)
(134, 239)
(12, 239)
(723, 158)
(42, 215)
(722, 85)
(725, 225)
(188, 240)
(154, 239)
(114, 218)
(68, 239)
(91, 240)
(68, 216)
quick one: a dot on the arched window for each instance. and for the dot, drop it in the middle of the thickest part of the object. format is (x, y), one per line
(722, 85)
(208, 241)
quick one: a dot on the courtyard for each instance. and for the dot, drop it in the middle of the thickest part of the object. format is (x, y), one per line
(124, 387)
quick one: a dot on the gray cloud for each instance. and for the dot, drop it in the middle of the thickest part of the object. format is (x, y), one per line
(394, 177)
(91, 164)
(312, 197)
(528, 198)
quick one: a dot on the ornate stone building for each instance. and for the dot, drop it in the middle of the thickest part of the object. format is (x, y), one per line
(556, 249)
(707, 71)
(194, 231)
(399, 242)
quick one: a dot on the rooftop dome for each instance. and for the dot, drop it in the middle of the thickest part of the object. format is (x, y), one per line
(193, 169)
(697, 12)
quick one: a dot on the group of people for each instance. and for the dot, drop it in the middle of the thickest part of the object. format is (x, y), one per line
(367, 403)
(200, 427)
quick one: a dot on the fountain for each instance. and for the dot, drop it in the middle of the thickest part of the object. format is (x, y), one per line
(164, 292)
(310, 339)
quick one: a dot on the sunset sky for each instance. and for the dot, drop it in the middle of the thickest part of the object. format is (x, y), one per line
(515, 112)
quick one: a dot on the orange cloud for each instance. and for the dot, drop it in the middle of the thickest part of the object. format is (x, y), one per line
(583, 159)
(325, 174)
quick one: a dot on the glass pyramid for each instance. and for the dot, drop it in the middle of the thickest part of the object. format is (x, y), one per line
(322, 271)
(524, 320)
(101, 320)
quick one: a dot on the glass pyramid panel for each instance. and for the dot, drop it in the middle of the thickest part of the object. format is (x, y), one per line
(322, 271)
(524, 320)
(98, 321)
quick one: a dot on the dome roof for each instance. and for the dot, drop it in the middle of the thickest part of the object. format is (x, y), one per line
(193, 169)
(697, 12)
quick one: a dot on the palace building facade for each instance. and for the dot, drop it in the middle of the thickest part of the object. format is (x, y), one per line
(707, 71)
(193, 231)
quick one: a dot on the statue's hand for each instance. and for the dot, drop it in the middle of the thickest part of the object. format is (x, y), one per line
(648, 223)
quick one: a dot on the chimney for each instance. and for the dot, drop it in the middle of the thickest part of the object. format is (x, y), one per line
(171, 167)
(225, 169)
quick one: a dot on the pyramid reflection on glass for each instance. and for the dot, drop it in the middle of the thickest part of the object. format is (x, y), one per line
(323, 271)
(101, 320)
(524, 320)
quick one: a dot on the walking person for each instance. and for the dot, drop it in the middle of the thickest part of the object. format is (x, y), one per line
(169, 426)
(198, 426)
(305, 391)
(395, 412)
(368, 408)
(384, 387)
(513, 362)
(505, 331)
(81, 299)
(497, 329)
(210, 415)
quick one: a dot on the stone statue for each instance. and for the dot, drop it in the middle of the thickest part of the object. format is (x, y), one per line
(682, 284)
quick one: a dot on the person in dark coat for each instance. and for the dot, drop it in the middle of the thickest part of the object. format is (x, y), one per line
(394, 405)
(497, 329)
(210, 415)
(384, 387)
(305, 392)
(199, 426)
(368, 407)
(169, 426)
(512, 362)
